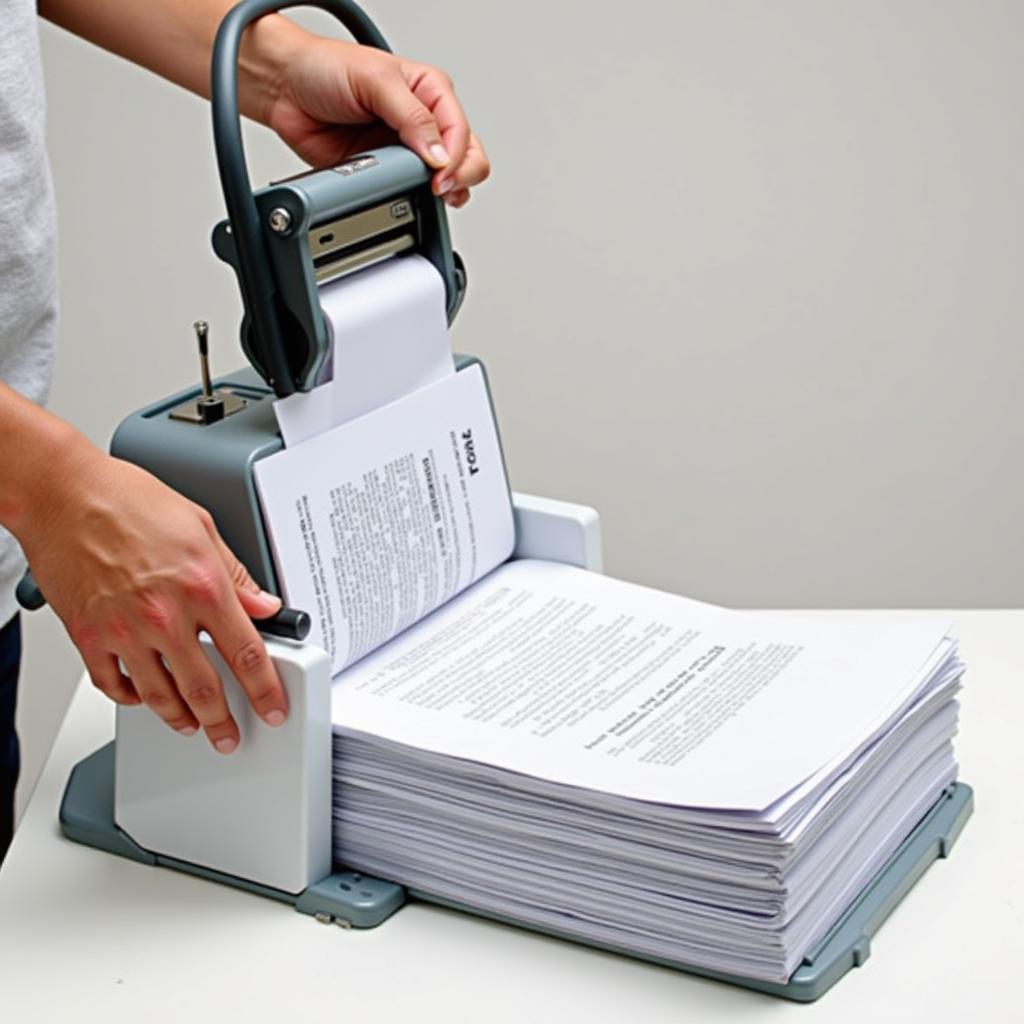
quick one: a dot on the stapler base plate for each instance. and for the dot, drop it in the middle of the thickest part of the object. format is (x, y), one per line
(353, 900)
(346, 898)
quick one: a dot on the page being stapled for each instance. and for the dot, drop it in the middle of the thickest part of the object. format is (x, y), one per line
(376, 523)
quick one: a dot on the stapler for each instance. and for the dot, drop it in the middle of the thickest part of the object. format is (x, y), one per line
(260, 820)
(263, 822)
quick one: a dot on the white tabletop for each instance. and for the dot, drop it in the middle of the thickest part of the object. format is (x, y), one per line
(87, 936)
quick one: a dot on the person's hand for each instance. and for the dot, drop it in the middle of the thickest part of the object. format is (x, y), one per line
(136, 571)
(327, 99)
(334, 99)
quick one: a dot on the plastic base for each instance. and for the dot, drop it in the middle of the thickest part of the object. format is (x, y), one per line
(848, 943)
(357, 901)
(346, 898)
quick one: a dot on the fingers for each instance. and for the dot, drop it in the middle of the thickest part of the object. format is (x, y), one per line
(239, 642)
(457, 199)
(257, 603)
(468, 165)
(475, 168)
(421, 106)
(187, 691)
(245, 654)
(388, 95)
(157, 689)
(138, 582)
(434, 89)
(201, 687)
(107, 677)
(179, 683)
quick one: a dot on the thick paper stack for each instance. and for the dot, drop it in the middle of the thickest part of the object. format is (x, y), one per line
(605, 761)
(574, 752)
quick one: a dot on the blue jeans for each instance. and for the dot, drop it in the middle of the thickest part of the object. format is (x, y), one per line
(10, 761)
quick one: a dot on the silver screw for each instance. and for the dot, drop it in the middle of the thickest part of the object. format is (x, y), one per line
(280, 220)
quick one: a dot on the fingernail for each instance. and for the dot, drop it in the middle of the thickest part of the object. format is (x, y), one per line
(188, 730)
(439, 154)
(267, 596)
(446, 186)
(274, 718)
(226, 745)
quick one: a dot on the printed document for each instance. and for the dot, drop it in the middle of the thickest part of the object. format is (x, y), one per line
(583, 680)
(376, 523)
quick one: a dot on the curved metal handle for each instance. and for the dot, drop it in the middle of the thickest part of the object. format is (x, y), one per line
(253, 260)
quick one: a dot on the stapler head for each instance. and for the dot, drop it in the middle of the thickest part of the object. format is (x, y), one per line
(322, 225)
(284, 242)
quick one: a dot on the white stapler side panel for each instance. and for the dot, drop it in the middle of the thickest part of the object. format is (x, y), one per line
(262, 813)
(557, 531)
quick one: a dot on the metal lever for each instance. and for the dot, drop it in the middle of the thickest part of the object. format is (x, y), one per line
(211, 406)
(202, 329)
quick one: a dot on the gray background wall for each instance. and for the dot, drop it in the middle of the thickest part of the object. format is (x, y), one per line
(747, 278)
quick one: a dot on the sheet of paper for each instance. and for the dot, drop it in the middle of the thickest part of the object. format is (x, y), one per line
(588, 681)
(389, 332)
(376, 523)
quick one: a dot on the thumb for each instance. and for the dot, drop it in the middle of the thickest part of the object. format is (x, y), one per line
(255, 602)
(393, 102)
(258, 604)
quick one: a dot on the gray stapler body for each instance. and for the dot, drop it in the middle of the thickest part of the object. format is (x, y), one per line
(212, 464)
(321, 225)
(313, 229)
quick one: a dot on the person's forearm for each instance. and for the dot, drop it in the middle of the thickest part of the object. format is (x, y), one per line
(40, 453)
(135, 571)
(325, 98)
(174, 38)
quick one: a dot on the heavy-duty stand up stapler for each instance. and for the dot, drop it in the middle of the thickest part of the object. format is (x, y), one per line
(260, 820)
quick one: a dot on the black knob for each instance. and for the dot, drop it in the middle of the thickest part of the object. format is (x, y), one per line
(290, 623)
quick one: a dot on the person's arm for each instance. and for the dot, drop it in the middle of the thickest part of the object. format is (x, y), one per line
(324, 97)
(135, 571)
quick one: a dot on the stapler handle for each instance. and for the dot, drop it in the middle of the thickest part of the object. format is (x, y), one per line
(255, 277)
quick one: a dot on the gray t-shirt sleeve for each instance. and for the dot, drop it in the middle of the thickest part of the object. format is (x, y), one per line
(28, 276)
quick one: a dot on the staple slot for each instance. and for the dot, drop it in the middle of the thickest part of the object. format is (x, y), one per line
(346, 251)
(365, 226)
(335, 268)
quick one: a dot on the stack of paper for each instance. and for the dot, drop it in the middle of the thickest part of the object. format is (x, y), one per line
(639, 770)
(574, 752)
